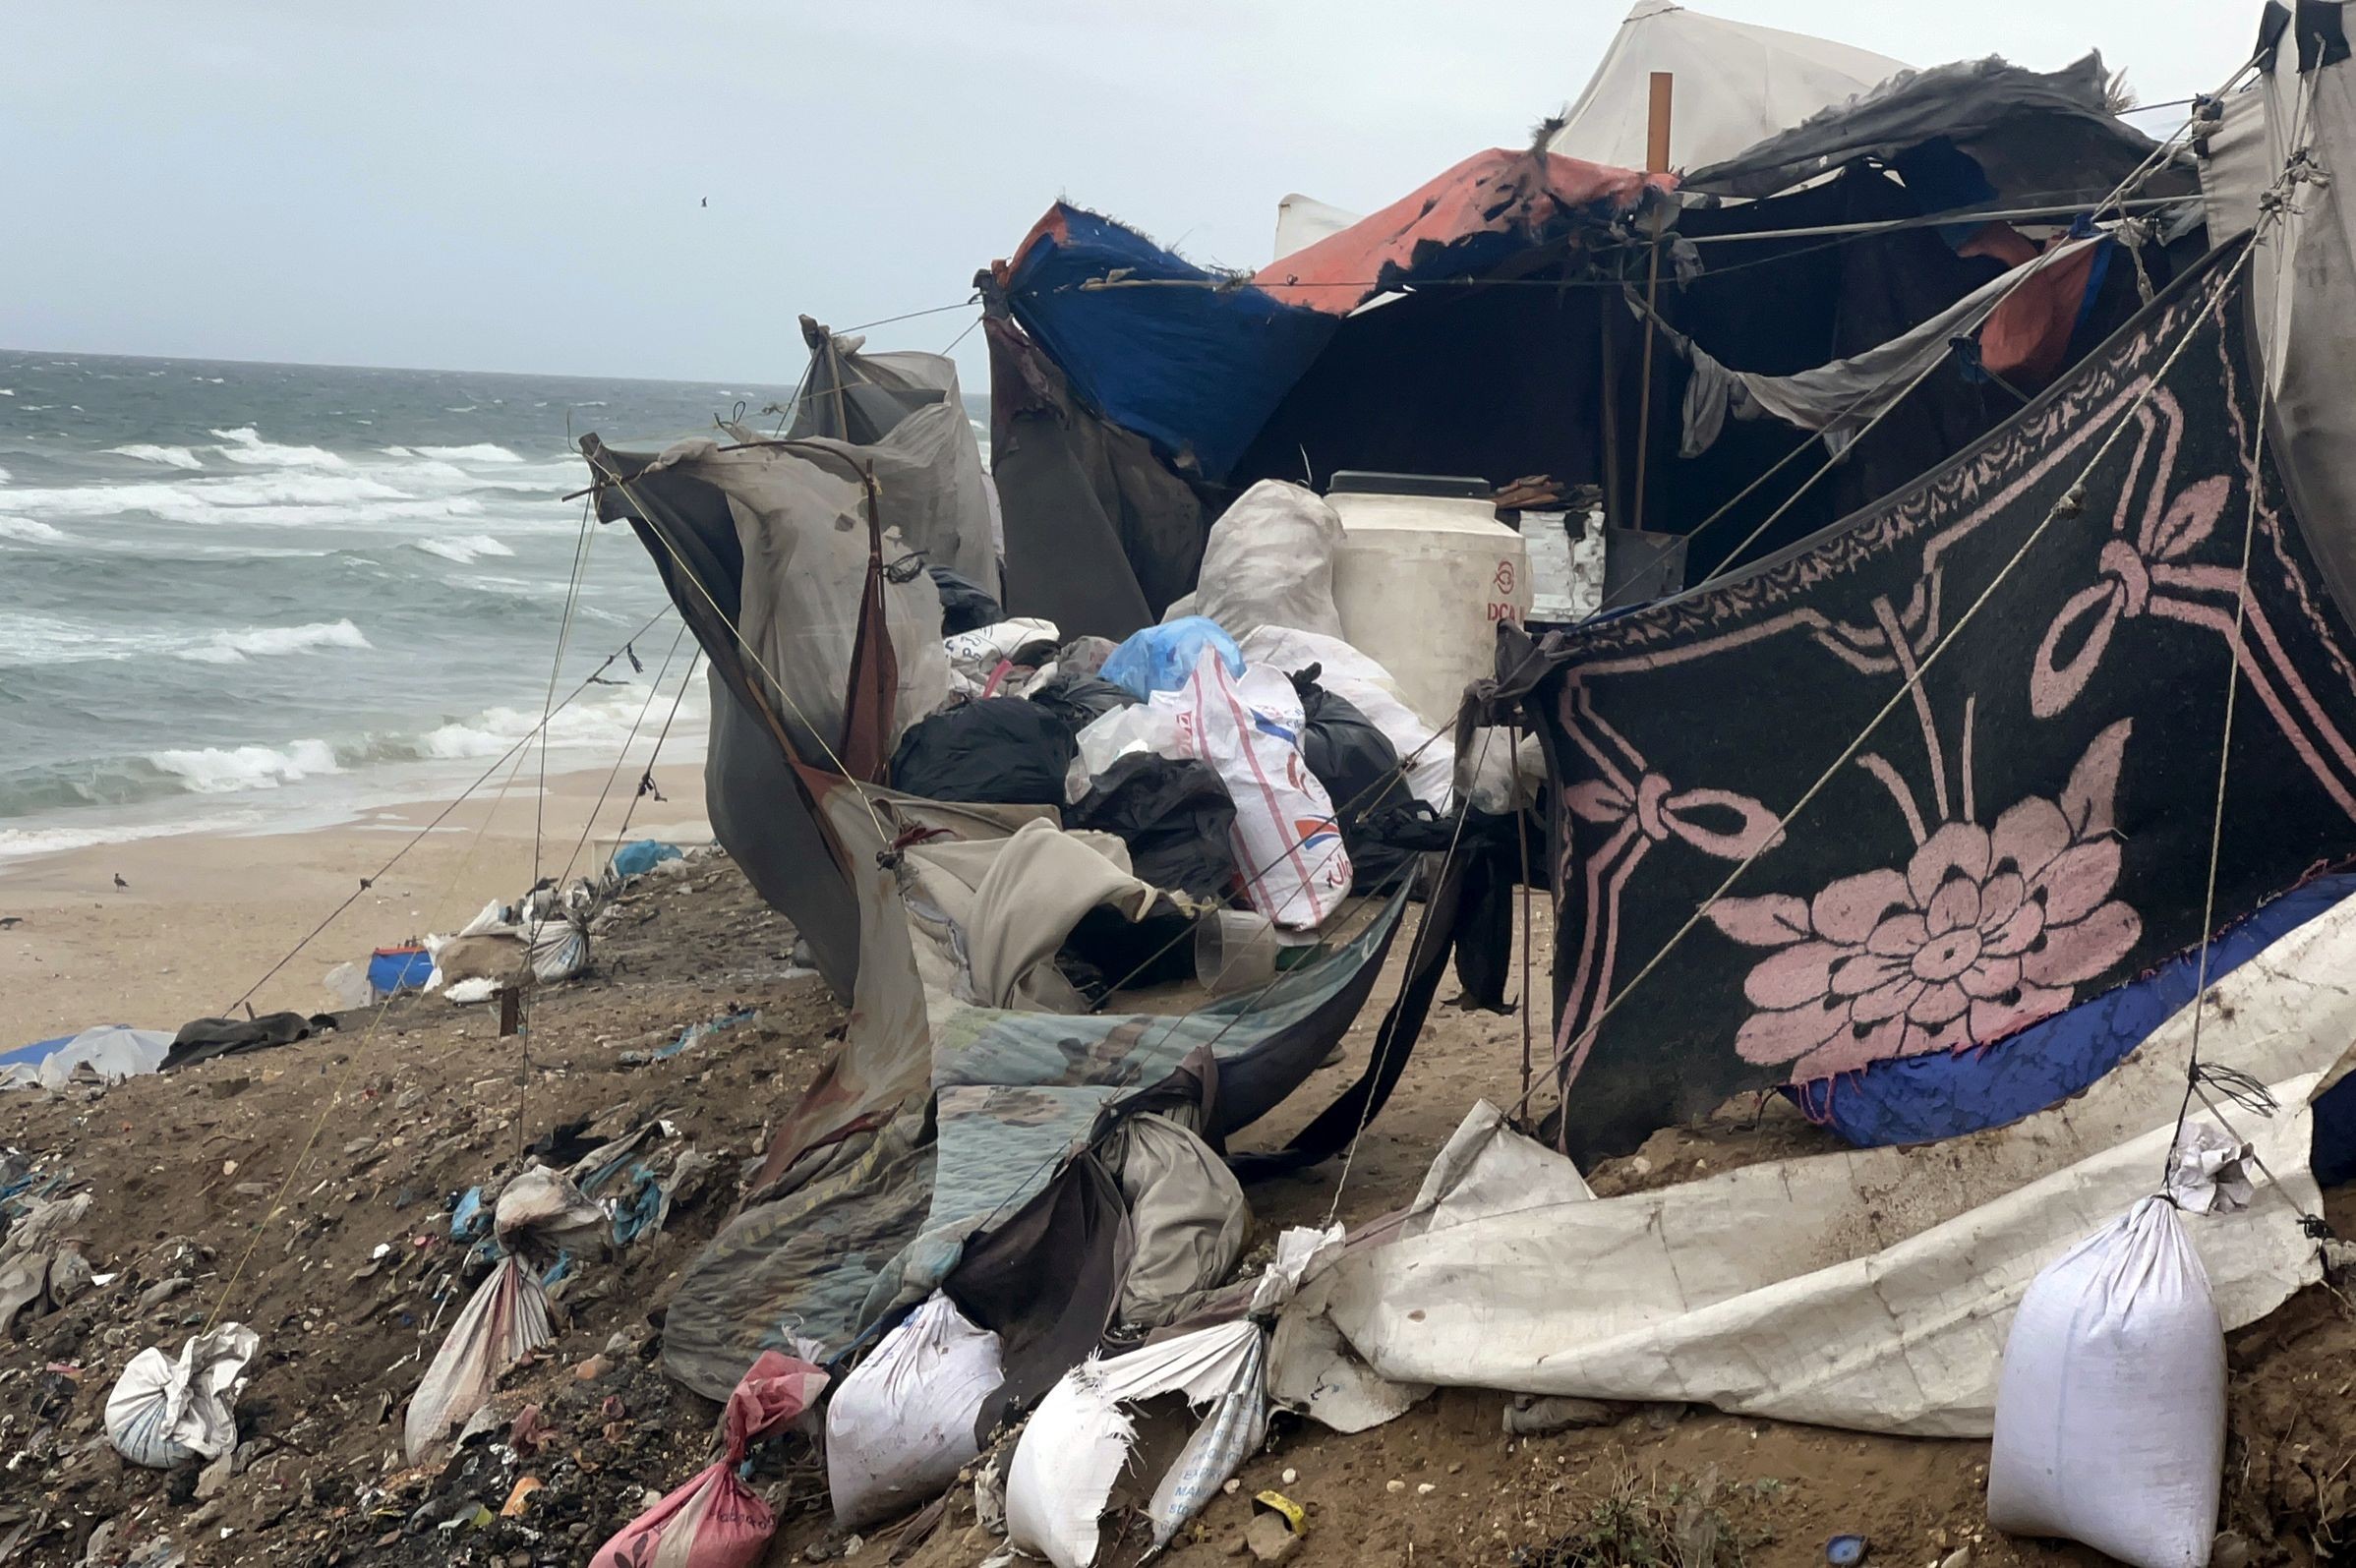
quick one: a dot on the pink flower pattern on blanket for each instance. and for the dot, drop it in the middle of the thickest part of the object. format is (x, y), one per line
(1984, 931)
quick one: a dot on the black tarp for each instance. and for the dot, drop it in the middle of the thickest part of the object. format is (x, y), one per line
(2032, 825)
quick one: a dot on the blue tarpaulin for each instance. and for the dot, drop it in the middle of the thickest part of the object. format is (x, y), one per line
(641, 855)
(1194, 370)
(1918, 1099)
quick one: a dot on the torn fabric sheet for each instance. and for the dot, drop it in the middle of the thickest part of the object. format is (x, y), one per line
(1869, 1290)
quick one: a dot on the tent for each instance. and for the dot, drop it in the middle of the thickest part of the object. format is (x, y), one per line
(1738, 83)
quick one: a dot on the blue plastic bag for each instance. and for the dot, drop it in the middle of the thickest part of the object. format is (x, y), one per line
(641, 855)
(1161, 658)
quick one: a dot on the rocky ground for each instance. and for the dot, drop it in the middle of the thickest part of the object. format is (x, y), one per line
(306, 1192)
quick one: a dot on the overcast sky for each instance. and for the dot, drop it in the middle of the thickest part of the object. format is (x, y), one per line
(487, 184)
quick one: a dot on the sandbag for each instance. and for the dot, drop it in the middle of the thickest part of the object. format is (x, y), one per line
(163, 1412)
(997, 750)
(903, 1423)
(1161, 658)
(965, 604)
(1248, 728)
(1269, 563)
(2110, 1409)
(714, 1520)
(540, 1214)
(1174, 815)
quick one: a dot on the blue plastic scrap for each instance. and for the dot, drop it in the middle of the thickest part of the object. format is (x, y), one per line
(641, 855)
(469, 1218)
(696, 1031)
(1161, 658)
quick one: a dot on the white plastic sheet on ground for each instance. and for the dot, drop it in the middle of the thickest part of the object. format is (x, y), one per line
(506, 1318)
(1079, 1439)
(1368, 687)
(1869, 1290)
(2111, 1418)
(1248, 728)
(1268, 561)
(900, 1426)
(164, 1410)
(111, 1051)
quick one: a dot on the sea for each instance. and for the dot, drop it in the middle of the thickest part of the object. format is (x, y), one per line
(254, 597)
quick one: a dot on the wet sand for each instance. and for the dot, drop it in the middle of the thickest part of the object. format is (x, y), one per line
(205, 914)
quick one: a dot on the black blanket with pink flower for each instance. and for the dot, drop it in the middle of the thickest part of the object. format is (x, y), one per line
(2027, 827)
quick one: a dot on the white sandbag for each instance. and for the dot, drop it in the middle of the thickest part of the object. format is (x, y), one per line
(1248, 728)
(541, 1213)
(900, 1426)
(2110, 1412)
(162, 1411)
(1078, 1441)
(1269, 563)
(559, 949)
(1368, 687)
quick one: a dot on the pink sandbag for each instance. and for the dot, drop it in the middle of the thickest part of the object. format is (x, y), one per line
(716, 1520)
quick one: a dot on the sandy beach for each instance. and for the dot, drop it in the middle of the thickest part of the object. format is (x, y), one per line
(205, 914)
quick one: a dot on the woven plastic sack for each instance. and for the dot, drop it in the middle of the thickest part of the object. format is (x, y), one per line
(1269, 563)
(902, 1424)
(1248, 728)
(162, 1411)
(2110, 1413)
(716, 1520)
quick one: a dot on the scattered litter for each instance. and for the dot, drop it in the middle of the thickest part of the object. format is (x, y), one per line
(163, 1412)
(724, 1524)
(1845, 1551)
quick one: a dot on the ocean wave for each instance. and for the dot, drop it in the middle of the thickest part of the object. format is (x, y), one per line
(464, 549)
(3, 476)
(169, 456)
(479, 452)
(18, 843)
(588, 723)
(30, 530)
(219, 770)
(246, 445)
(281, 499)
(271, 642)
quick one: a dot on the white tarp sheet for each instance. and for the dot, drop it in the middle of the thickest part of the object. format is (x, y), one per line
(1737, 85)
(1869, 1290)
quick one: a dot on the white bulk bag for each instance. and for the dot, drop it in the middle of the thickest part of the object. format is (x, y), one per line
(900, 1426)
(1268, 561)
(2110, 1410)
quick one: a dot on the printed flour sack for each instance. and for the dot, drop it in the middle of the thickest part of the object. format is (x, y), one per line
(2110, 1413)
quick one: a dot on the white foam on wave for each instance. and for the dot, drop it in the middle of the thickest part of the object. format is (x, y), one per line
(464, 549)
(271, 642)
(222, 770)
(3, 476)
(30, 529)
(479, 452)
(591, 724)
(245, 444)
(169, 456)
(18, 843)
(281, 499)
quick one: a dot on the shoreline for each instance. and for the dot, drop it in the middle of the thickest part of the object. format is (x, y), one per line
(210, 909)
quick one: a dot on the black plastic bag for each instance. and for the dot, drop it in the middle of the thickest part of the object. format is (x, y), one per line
(965, 604)
(1360, 770)
(997, 750)
(1174, 815)
(1080, 700)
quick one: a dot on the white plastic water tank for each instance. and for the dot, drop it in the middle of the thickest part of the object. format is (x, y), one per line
(1424, 574)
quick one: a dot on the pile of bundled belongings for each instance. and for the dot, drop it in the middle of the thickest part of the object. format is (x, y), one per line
(1029, 816)
(541, 940)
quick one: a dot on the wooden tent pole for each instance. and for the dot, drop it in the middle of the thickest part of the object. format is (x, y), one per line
(1656, 161)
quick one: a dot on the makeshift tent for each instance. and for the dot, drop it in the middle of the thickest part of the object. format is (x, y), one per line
(1738, 83)
(2028, 825)
(1477, 326)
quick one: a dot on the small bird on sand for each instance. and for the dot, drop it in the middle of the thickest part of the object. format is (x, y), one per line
(119, 882)
(706, 202)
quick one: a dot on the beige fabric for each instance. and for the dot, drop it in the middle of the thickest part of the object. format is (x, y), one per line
(1014, 900)
(1186, 1212)
(1869, 1290)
